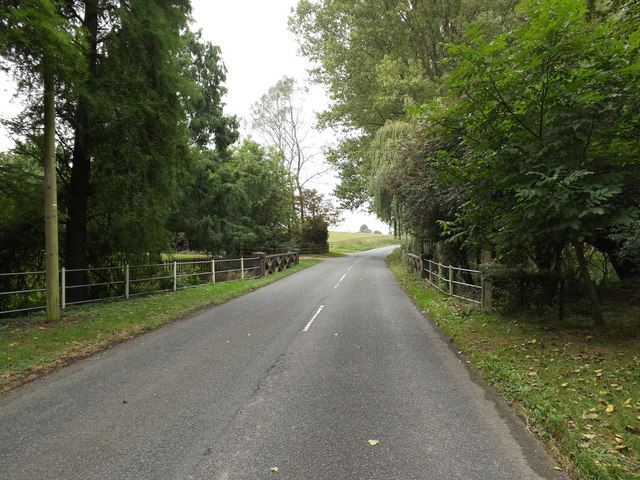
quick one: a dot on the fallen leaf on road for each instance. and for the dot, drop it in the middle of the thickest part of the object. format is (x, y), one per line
(275, 469)
(373, 443)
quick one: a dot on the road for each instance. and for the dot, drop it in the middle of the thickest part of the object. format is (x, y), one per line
(298, 376)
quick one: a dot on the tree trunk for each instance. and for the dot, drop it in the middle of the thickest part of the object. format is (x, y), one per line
(78, 202)
(589, 286)
(52, 287)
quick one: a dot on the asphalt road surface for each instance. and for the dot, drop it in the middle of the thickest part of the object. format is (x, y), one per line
(298, 376)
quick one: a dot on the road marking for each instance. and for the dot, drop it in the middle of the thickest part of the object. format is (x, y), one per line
(313, 318)
(340, 281)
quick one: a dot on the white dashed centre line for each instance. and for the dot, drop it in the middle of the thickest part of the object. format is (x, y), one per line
(313, 318)
(340, 281)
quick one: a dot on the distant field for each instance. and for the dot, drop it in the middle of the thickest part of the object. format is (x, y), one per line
(357, 242)
(342, 236)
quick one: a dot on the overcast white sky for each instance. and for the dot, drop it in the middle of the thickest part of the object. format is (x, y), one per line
(258, 50)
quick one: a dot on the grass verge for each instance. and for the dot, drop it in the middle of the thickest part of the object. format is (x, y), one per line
(30, 347)
(578, 389)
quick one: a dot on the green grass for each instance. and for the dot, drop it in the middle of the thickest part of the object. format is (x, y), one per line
(343, 242)
(577, 388)
(30, 347)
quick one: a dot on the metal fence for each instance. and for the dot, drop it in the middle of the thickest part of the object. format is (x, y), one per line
(22, 292)
(25, 291)
(464, 283)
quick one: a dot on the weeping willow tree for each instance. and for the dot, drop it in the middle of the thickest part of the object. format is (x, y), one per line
(386, 162)
(405, 191)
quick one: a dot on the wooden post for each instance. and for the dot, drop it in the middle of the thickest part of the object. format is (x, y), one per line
(241, 268)
(261, 263)
(296, 252)
(486, 298)
(175, 276)
(52, 282)
(423, 261)
(126, 282)
(450, 280)
(63, 288)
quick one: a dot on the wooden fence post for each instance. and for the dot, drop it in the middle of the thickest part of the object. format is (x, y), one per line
(486, 299)
(241, 268)
(126, 282)
(63, 289)
(451, 280)
(261, 263)
(423, 271)
(175, 276)
(296, 252)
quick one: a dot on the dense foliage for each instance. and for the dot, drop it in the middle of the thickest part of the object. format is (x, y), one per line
(489, 129)
(143, 150)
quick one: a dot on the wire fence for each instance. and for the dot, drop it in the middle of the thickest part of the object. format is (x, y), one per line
(25, 291)
(463, 283)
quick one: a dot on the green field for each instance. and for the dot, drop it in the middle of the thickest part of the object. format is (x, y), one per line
(344, 242)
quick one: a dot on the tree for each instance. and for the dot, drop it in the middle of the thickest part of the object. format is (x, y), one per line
(202, 64)
(278, 117)
(316, 205)
(21, 200)
(547, 118)
(376, 58)
(241, 202)
(38, 42)
(315, 231)
(405, 191)
(129, 130)
(364, 228)
(145, 106)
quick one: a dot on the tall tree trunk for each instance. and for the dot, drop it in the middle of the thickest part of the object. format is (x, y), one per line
(589, 286)
(52, 288)
(78, 203)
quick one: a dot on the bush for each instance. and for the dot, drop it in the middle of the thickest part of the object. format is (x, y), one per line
(315, 231)
(521, 290)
